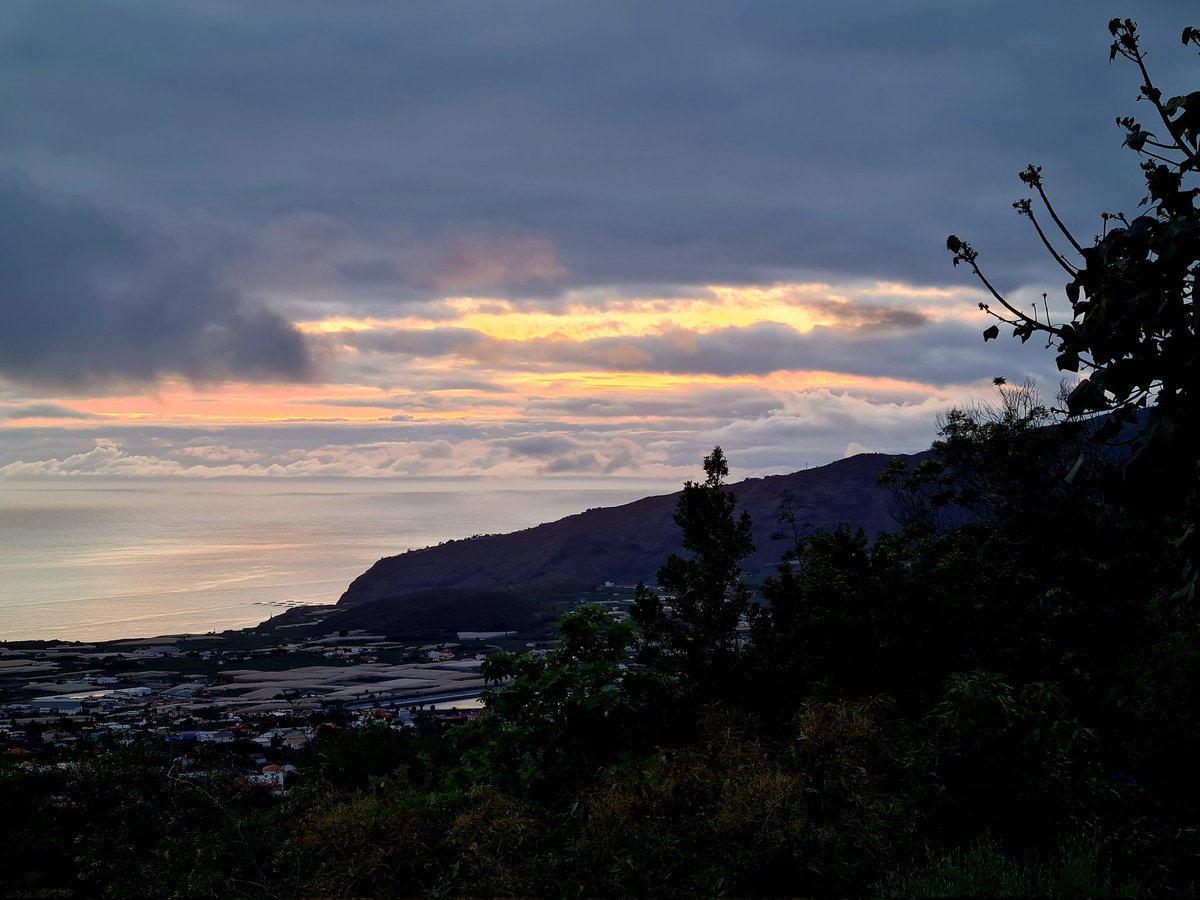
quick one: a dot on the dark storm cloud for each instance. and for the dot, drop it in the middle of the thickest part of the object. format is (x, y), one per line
(535, 145)
(89, 295)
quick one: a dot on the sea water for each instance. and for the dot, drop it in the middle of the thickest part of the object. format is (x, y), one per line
(105, 559)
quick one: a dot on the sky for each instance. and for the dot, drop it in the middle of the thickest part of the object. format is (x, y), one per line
(531, 239)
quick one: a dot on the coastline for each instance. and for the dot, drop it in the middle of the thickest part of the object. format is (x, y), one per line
(108, 560)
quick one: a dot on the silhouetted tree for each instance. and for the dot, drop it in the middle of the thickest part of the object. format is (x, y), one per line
(551, 720)
(689, 626)
(1133, 327)
(1003, 458)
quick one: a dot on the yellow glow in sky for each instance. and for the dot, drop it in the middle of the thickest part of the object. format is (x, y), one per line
(801, 306)
(498, 383)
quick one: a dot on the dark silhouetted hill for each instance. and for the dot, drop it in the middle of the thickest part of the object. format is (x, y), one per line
(626, 544)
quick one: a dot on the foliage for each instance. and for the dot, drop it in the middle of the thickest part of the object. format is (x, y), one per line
(1007, 671)
(980, 464)
(33, 855)
(689, 626)
(351, 759)
(983, 869)
(1064, 596)
(981, 576)
(555, 718)
(376, 843)
(499, 845)
(1134, 322)
(816, 810)
(122, 821)
(1015, 761)
(821, 619)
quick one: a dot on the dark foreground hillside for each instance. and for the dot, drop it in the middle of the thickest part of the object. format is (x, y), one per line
(628, 543)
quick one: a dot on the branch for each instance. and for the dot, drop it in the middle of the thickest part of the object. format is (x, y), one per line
(1162, 146)
(1125, 32)
(1025, 208)
(964, 252)
(1033, 177)
(1167, 160)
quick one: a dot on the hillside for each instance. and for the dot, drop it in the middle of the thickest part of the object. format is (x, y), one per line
(626, 544)
(438, 614)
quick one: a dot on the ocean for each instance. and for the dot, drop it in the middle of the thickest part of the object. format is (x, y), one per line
(106, 559)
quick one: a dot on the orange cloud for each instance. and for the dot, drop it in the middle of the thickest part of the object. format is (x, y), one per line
(506, 356)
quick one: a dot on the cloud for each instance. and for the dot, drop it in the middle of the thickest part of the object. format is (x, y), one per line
(527, 455)
(479, 260)
(697, 403)
(428, 343)
(42, 411)
(817, 426)
(540, 446)
(90, 295)
(682, 142)
(219, 454)
(107, 460)
(764, 430)
(898, 344)
(368, 160)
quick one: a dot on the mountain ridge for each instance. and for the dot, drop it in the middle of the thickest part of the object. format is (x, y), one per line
(628, 543)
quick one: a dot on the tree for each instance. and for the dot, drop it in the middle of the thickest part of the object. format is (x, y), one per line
(1000, 459)
(689, 626)
(819, 620)
(1134, 323)
(552, 720)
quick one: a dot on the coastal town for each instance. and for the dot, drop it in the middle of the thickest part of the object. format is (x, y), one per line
(254, 697)
(191, 690)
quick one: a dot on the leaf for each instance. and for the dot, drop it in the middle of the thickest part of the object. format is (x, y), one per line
(1106, 432)
(1135, 140)
(1189, 122)
(1087, 396)
(991, 334)
(1067, 361)
(1172, 105)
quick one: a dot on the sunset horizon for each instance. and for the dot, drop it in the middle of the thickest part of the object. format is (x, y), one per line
(567, 243)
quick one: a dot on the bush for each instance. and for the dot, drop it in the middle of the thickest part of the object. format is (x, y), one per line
(984, 870)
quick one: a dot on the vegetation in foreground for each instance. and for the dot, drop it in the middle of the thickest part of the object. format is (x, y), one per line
(998, 700)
